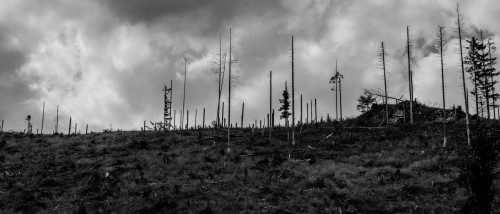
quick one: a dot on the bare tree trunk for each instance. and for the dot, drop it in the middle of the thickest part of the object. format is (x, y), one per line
(293, 96)
(203, 118)
(410, 74)
(340, 98)
(57, 118)
(195, 118)
(466, 99)
(69, 129)
(301, 122)
(441, 38)
(383, 53)
(229, 95)
(187, 119)
(175, 113)
(315, 111)
(86, 128)
(217, 122)
(270, 104)
(76, 125)
(184, 96)
(336, 93)
(43, 117)
(272, 121)
(242, 113)
(223, 119)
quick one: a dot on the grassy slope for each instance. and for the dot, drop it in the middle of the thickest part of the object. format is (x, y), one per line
(397, 170)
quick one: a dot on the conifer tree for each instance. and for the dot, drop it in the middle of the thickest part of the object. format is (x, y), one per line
(285, 107)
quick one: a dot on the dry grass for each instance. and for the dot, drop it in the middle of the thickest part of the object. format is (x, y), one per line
(365, 171)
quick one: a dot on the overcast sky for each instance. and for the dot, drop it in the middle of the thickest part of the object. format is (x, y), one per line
(106, 61)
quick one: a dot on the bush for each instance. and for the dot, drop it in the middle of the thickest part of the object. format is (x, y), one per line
(477, 169)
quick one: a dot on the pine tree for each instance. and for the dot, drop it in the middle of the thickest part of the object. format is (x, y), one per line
(285, 107)
(480, 66)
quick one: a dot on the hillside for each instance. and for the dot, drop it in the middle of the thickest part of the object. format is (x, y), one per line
(357, 170)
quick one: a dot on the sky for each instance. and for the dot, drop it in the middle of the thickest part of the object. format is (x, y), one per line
(105, 62)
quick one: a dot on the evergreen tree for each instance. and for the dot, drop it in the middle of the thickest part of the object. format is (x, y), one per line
(365, 102)
(285, 113)
(480, 66)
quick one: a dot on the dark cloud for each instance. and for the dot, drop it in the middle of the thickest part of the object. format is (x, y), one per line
(11, 58)
(152, 10)
(106, 61)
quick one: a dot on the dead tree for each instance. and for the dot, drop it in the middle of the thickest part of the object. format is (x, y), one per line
(195, 118)
(315, 111)
(440, 43)
(460, 23)
(167, 108)
(382, 95)
(242, 113)
(382, 54)
(301, 122)
(43, 117)
(186, 59)
(30, 126)
(229, 93)
(293, 96)
(340, 94)
(336, 80)
(221, 71)
(270, 104)
(69, 129)
(203, 118)
(57, 118)
(410, 74)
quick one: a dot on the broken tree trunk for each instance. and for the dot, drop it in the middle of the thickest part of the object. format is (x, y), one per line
(69, 129)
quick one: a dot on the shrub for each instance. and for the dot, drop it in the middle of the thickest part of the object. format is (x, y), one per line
(477, 169)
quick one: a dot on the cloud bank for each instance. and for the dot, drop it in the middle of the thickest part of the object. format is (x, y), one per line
(105, 62)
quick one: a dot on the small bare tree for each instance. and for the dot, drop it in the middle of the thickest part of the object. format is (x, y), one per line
(440, 43)
(381, 55)
(186, 59)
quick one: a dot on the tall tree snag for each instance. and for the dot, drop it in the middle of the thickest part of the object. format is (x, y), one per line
(440, 43)
(382, 54)
(184, 93)
(460, 24)
(293, 96)
(410, 73)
